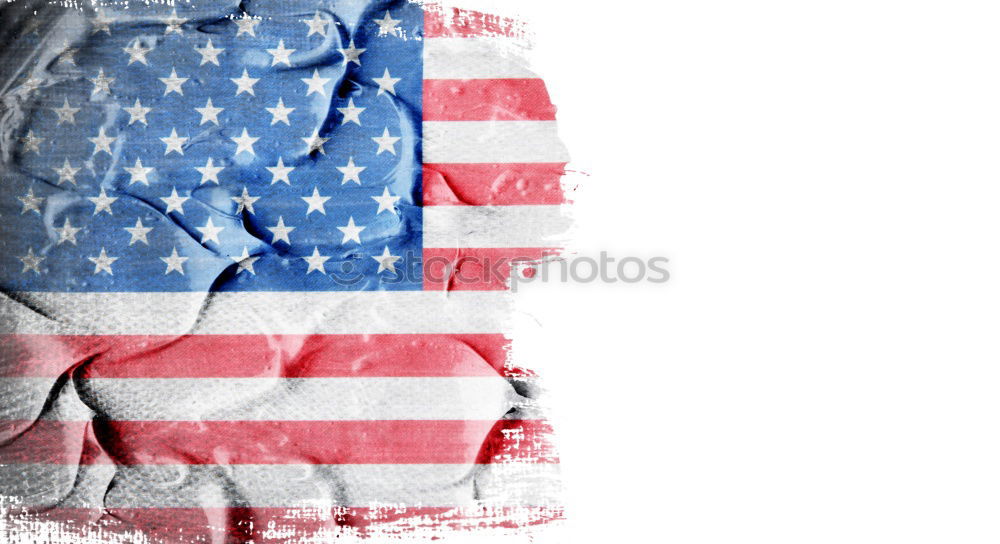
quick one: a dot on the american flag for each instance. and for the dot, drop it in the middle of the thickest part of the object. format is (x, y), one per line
(220, 319)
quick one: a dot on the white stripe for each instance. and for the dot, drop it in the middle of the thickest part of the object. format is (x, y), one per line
(274, 399)
(219, 486)
(492, 142)
(494, 226)
(341, 312)
(475, 58)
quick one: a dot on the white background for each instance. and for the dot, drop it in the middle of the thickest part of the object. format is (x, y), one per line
(823, 366)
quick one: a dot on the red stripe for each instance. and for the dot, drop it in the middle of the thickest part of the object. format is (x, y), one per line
(493, 184)
(475, 269)
(487, 100)
(275, 442)
(459, 23)
(248, 356)
(271, 524)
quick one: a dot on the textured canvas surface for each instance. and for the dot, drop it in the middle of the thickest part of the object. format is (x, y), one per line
(254, 268)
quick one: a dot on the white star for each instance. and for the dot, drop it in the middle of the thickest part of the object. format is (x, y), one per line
(31, 84)
(174, 202)
(30, 202)
(386, 142)
(66, 173)
(244, 142)
(388, 25)
(138, 232)
(102, 142)
(244, 83)
(68, 54)
(386, 202)
(174, 142)
(139, 172)
(67, 233)
(351, 172)
(280, 172)
(209, 53)
(31, 262)
(316, 84)
(102, 202)
(173, 83)
(210, 233)
(137, 113)
(315, 142)
(386, 83)
(136, 53)
(351, 231)
(244, 201)
(316, 262)
(315, 202)
(280, 113)
(386, 261)
(66, 113)
(31, 142)
(103, 262)
(351, 53)
(246, 25)
(175, 263)
(209, 113)
(245, 262)
(102, 83)
(317, 25)
(281, 231)
(281, 55)
(351, 113)
(173, 24)
(209, 172)
(101, 23)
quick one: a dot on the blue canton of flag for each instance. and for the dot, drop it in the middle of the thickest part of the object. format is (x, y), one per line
(203, 148)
